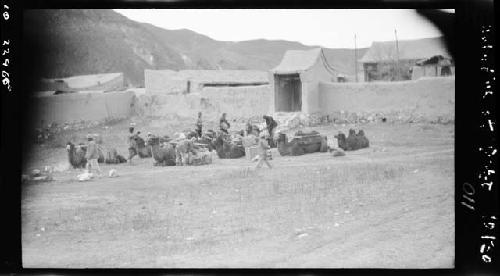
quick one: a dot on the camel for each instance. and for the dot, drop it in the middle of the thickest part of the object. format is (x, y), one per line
(227, 149)
(301, 133)
(341, 140)
(362, 140)
(76, 155)
(301, 144)
(183, 149)
(138, 147)
(111, 156)
(163, 156)
(353, 141)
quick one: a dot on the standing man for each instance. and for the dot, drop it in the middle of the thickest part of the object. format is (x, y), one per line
(263, 148)
(132, 142)
(92, 155)
(271, 125)
(131, 128)
(224, 124)
(199, 125)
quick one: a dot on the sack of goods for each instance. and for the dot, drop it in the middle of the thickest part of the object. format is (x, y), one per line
(86, 176)
(112, 173)
(201, 158)
(251, 152)
(250, 140)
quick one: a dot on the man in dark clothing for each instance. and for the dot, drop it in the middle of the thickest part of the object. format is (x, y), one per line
(224, 124)
(199, 125)
(131, 131)
(271, 125)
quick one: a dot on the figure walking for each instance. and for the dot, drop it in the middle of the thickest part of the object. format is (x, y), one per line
(92, 155)
(263, 147)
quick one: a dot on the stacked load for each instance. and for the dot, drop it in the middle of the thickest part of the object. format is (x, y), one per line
(202, 157)
(287, 121)
(250, 143)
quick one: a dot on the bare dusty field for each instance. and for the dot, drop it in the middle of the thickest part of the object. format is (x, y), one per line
(391, 206)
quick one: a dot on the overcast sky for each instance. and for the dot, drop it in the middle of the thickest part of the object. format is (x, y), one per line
(327, 28)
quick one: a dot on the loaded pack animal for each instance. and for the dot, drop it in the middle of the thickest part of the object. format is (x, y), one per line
(183, 150)
(76, 155)
(111, 156)
(228, 149)
(138, 147)
(205, 142)
(189, 152)
(353, 141)
(190, 134)
(163, 155)
(209, 133)
(302, 143)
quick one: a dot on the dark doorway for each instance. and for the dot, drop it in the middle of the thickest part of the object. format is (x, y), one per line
(288, 93)
(445, 71)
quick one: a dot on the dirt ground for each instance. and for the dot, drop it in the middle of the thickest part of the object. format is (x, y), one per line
(387, 206)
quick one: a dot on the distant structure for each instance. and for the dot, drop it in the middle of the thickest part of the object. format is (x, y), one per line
(193, 81)
(436, 66)
(88, 83)
(295, 81)
(417, 58)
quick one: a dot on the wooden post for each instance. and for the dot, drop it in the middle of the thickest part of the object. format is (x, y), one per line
(355, 58)
(397, 55)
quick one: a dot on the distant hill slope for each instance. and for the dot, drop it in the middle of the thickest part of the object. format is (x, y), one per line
(78, 42)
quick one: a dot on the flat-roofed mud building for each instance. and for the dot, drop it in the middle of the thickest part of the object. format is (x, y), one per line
(389, 61)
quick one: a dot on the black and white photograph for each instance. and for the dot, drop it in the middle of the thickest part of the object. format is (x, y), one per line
(239, 138)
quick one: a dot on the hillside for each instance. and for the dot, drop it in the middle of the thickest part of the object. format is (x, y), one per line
(76, 42)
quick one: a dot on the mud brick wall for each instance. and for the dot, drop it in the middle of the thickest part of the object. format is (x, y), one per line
(428, 99)
(237, 102)
(77, 107)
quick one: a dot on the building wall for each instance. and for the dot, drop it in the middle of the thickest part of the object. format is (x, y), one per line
(428, 71)
(387, 71)
(114, 84)
(164, 82)
(75, 107)
(430, 97)
(310, 86)
(173, 82)
(237, 102)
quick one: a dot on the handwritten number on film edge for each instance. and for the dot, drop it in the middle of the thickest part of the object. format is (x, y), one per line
(5, 53)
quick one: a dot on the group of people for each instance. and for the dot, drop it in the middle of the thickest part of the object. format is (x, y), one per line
(266, 140)
(224, 126)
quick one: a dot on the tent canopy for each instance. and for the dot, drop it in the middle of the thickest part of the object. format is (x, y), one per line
(297, 61)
